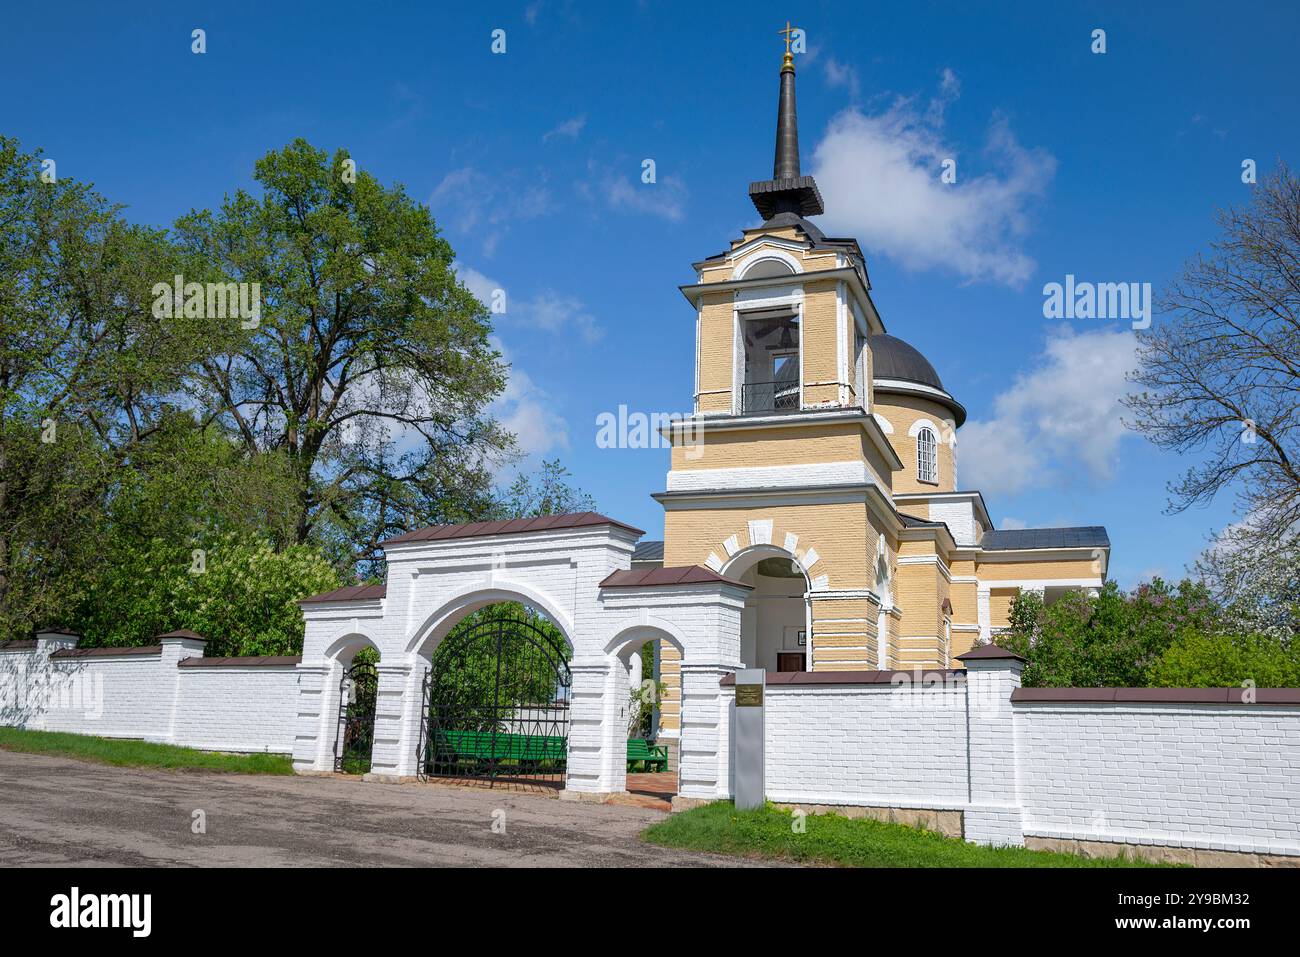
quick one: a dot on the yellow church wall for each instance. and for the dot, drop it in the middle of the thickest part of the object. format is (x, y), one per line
(962, 642)
(715, 353)
(902, 412)
(1000, 600)
(820, 353)
(844, 634)
(1039, 570)
(811, 260)
(815, 260)
(841, 642)
(805, 445)
(780, 232)
(670, 676)
(838, 532)
(964, 597)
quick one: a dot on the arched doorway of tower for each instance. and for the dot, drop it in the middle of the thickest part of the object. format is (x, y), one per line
(355, 687)
(496, 695)
(776, 624)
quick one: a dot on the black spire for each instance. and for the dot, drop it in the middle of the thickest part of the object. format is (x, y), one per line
(786, 191)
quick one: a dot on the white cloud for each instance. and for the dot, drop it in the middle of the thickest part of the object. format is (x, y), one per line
(880, 175)
(1009, 523)
(485, 206)
(549, 311)
(840, 74)
(528, 411)
(1056, 421)
(665, 198)
(558, 313)
(569, 129)
(480, 285)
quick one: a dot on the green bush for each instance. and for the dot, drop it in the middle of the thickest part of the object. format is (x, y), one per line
(1199, 660)
(244, 601)
(1111, 639)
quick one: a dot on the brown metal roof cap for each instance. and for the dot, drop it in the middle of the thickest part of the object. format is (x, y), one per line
(252, 661)
(1158, 695)
(774, 678)
(349, 593)
(59, 630)
(663, 577)
(17, 644)
(107, 652)
(513, 526)
(988, 653)
(183, 633)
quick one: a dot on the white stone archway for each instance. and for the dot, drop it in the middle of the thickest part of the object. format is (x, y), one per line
(576, 571)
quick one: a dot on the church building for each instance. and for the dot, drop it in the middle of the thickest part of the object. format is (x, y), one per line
(820, 464)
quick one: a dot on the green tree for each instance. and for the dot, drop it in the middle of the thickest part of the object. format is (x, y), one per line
(86, 374)
(370, 368)
(1200, 660)
(241, 595)
(1218, 373)
(545, 492)
(1256, 579)
(1110, 640)
(186, 493)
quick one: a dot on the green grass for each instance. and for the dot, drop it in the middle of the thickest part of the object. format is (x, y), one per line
(123, 752)
(837, 841)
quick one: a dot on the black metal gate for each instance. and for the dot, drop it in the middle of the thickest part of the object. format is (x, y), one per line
(496, 704)
(358, 692)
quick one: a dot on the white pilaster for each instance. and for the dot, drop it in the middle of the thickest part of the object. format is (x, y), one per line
(393, 756)
(994, 814)
(705, 756)
(311, 750)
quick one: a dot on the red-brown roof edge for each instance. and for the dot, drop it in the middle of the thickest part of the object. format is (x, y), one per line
(666, 577)
(511, 526)
(349, 593)
(251, 661)
(1157, 695)
(989, 653)
(852, 677)
(182, 633)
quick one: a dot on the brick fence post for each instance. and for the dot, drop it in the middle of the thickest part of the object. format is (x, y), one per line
(993, 815)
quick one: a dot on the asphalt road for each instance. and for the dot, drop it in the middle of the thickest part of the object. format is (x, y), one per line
(55, 811)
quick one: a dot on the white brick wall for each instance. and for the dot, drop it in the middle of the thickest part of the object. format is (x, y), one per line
(866, 745)
(237, 709)
(1223, 777)
(1213, 776)
(147, 696)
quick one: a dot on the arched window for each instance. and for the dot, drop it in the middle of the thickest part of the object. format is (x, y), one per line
(927, 469)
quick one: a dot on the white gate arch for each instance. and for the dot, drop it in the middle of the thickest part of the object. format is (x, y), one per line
(575, 569)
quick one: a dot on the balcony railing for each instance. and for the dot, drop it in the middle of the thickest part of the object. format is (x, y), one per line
(769, 398)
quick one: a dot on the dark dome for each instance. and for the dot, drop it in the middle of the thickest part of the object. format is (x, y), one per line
(892, 358)
(895, 359)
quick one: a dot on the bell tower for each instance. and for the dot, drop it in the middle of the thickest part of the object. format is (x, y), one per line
(782, 476)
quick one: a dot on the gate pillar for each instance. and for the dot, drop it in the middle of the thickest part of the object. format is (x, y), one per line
(705, 757)
(597, 728)
(394, 755)
(311, 744)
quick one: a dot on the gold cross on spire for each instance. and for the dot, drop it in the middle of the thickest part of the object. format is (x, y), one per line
(789, 32)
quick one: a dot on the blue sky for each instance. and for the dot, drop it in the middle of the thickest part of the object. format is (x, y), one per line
(1108, 167)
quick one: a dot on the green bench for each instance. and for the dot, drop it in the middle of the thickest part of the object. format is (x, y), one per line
(531, 750)
(651, 757)
(527, 750)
